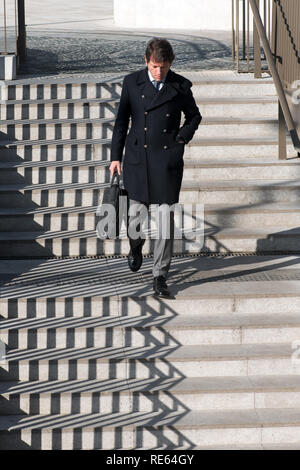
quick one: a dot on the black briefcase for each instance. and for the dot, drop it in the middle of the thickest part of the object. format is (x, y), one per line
(113, 209)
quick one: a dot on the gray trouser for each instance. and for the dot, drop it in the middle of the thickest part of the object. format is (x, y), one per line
(163, 246)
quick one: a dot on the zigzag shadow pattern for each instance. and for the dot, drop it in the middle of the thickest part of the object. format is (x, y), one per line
(79, 372)
(93, 397)
(54, 152)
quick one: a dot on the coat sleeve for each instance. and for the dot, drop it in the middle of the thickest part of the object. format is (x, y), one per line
(121, 125)
(192, 117)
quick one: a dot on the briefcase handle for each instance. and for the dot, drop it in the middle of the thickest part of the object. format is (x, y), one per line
(115, 176)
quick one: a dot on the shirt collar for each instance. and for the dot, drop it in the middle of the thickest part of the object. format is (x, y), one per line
(153, 79)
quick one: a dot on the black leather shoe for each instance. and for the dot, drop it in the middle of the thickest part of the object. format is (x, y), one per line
(160, 287)
(135, 258)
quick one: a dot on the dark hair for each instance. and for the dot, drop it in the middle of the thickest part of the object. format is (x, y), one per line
(160, 50)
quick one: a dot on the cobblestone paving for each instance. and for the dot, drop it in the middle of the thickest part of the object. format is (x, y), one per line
(70, 53)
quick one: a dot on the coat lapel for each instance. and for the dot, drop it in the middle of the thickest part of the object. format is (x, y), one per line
(167, 93)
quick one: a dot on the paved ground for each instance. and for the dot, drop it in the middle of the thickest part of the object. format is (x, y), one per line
(116, 51)
(190, 276)
(75, 37)
(72, 15)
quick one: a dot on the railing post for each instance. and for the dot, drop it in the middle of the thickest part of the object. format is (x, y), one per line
(233, 31)
(273, 41)
(244, 30)
(237, 34)
(240, 17)
(5, 27)
(282, 152)
(248, 37)
(21, 32)
(277, 81)
(256, 49)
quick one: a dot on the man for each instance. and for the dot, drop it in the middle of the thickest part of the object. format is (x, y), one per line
(154, 99)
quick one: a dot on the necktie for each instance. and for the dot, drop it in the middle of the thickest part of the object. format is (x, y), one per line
(156, 84)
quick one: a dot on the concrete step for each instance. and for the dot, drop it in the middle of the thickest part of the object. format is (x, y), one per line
(86, 243)
(80, 108)
(55, 195)
(48, 129)
(70, 150)
(247, 192)
(267, 446)
(241, 126)
(217, 216)
(139, 331)
(236, 88)
(264, 168)
(11, 160)
(209, 86)
(221, 148)
(86, 431)
(232, 106)
(51, 219)
(59, 307)
(196, 297)
(74, 150)
(282, 214)
(244, 191)
(91, 171)
(34, 172)
(185, 361)
(76, 88)
(239, 90)
(131, 395)
(239, 106)
(53, 129)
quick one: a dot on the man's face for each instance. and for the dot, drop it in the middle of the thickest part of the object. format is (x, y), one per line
(158, 70)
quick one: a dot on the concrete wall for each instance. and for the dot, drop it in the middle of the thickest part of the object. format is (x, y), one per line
(179, 14)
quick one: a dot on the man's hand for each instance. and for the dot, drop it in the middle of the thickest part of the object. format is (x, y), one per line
(115, 165)
(179, 139)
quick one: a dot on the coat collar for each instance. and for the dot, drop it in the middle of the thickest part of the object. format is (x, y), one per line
(167, 93)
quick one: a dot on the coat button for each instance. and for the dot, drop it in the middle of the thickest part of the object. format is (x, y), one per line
(165, 147)
(165, 130)
(145, 128)
(143, 96)
(146, 112)
(168, 115)
(145, 146)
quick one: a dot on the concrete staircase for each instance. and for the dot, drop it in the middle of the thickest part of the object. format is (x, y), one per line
(55, 140)
(93, 361)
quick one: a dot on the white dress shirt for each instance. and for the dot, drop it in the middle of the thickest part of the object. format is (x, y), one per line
(153, 80)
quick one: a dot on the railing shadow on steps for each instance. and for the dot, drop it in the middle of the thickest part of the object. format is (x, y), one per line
(233, 268)
(21, 284)
(11, 177)
(146, 379)
(48, 280)
(153, 378)
(6, 406)
(160, 413)
(265, 196)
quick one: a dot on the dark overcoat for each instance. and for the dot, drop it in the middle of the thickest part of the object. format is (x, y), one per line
(153, 160)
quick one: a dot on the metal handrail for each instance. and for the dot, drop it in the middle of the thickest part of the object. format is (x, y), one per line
(246, 47)
(276, 77)
(288, 33)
